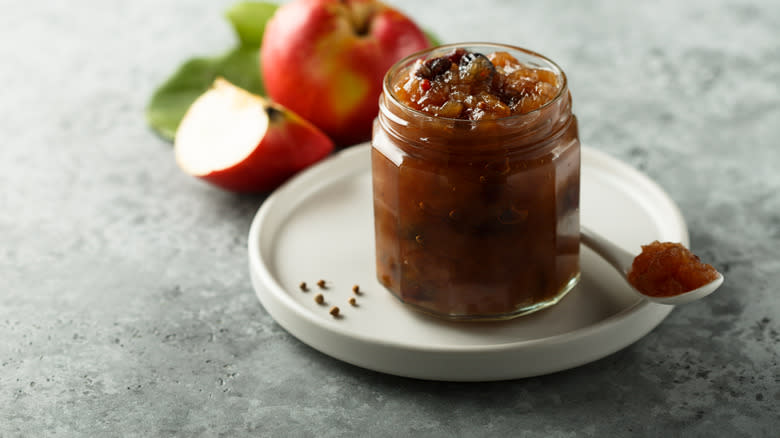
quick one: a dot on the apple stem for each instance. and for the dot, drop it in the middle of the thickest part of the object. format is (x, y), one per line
(359, 16)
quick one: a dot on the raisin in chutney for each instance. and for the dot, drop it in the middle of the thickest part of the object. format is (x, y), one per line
(476, 182)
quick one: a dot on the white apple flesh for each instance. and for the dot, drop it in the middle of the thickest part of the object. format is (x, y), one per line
(242, 142)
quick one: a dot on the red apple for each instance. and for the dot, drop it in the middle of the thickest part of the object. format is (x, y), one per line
(242, 142)
(325, 60)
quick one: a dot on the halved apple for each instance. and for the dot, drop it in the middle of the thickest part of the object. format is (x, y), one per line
(242, 142)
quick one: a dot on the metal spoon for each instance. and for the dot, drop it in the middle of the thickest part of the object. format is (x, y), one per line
(622, 260)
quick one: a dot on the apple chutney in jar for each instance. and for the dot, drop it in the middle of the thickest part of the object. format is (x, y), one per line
(476, 182)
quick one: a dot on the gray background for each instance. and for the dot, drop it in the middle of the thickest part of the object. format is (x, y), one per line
(125, 302)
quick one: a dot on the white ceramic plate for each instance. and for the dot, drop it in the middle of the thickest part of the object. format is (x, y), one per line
(319, 225)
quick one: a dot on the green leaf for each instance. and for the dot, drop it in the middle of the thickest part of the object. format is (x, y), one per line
(433, 39)
(241, 66)
(249, 19)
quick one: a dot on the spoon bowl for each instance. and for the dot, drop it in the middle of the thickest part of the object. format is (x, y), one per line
(622, 260)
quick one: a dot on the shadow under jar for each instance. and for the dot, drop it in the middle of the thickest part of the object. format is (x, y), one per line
(475, 219)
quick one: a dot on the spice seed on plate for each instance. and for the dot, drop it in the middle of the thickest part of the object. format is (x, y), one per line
(319, 299)
(334, 311)
(321, 284)
(356, 289)
(303, 286)
(353, 302)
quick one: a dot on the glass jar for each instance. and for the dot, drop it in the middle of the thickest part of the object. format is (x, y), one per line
(477, 219)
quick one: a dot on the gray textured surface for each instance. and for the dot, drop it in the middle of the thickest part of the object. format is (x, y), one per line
(125, 302)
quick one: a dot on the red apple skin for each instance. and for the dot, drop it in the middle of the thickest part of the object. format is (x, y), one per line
(314, 62)
(277, 157)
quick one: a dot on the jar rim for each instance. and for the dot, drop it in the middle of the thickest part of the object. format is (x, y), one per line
(408, 60)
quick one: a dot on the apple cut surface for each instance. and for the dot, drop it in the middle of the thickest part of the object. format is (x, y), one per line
(242, 142)
(221, 128)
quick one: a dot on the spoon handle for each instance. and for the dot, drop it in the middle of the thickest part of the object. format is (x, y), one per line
(619, 258)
